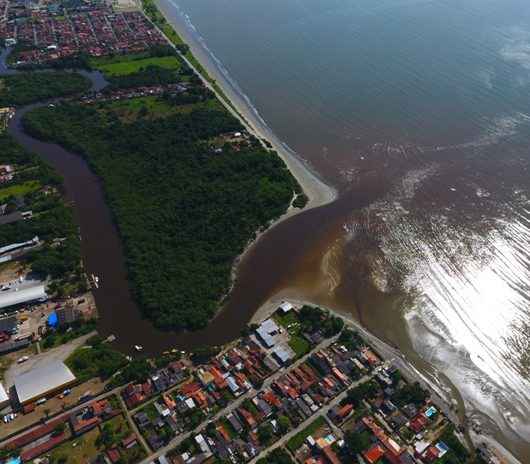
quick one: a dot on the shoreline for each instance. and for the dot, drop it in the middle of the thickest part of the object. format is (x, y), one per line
(448, 405)
(317, 191)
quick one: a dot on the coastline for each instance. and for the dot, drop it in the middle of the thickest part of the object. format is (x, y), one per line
(449, 405)
(316, 190)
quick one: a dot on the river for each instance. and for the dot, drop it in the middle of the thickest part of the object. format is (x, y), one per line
(416, 111)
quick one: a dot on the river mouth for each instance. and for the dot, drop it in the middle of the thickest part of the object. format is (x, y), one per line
(418, 113)
(428, 242)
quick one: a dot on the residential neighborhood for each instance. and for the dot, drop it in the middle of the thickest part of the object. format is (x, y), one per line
(333, 400)
(297, 384)
(47, 31)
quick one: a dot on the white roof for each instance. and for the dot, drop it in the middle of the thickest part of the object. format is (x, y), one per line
(268, 331)
(3, 394)
(286, 306)
(15, 246)
(24, 295)
(42, 379)
(284, 353)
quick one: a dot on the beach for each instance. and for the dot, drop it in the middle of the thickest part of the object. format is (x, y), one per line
(401, 170)
(316, 190)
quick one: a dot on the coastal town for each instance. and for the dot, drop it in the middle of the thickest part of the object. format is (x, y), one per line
(47, 31)
(298, 387)
(301, 385)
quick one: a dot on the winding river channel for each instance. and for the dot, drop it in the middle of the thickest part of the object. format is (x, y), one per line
(416, 111)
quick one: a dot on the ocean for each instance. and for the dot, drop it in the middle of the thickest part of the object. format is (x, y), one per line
(418, 112)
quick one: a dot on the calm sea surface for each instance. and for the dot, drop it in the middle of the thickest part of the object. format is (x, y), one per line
(419, 113)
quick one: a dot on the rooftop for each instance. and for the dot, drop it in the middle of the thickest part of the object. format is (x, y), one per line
(42, 379)
(23, 295)
(3, 394)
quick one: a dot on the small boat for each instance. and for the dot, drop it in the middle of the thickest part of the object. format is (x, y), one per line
(95, 280)
(138, 347)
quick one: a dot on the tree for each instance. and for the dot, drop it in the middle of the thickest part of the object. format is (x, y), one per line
(106, 437)
(284, 424)
(410, 393)
(58, 430)
(265, 433)
(357, 442)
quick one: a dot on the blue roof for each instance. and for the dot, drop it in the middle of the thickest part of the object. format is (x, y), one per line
(442, 446)
(13, 460)
(52, 319)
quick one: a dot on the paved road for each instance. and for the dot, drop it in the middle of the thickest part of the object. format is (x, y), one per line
(55, 354)
(133, 425)
(235, 404)
(323, 411)
(66, 413)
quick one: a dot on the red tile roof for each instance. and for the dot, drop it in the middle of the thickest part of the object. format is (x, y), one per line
(374, 453)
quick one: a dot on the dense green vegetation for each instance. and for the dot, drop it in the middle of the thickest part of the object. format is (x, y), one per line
(52, 220)
(410, 393)
(66, 333)
(356, 442)
(25, 88)
(96, 360)
(137, 370)
(366, 390)
(315, 318)
(184, 211)
(350, 339)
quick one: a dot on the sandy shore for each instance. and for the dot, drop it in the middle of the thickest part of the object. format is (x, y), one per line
(409, 372)
(317, 191)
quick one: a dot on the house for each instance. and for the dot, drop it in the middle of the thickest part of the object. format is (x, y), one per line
(129, 441)
(283, 353)
(285, 307)
(370, 356)
(247, 417)
(234, 422)
(338, 414)
(418, 423)
(330, 455)
(142, 420)
(113, 454)
(268, 332)
(201, 443)
(409, 410)
(374, 453)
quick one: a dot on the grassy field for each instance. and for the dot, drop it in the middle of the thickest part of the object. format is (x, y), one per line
(77, 450)
(294, 443)
(300, 345)
(120, 427)
(19, 190)
(153, 107)
(123, 67)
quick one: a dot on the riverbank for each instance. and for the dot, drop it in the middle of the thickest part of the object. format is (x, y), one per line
(318, 193)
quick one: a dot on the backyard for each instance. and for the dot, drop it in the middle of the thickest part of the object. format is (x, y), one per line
(294, 443)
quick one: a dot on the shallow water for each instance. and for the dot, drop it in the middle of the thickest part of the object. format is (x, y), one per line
(418, 112)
